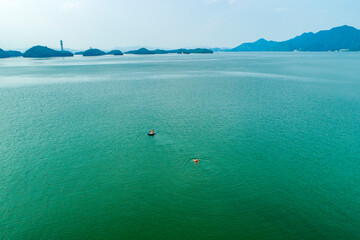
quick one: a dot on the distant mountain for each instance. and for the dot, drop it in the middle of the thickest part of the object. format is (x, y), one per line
(14, 53)
(43, 52)
(259, 45)
(178, 51)
(115, 52)
(3, 54)
(93, 52)
(335, 39)
(217, 49)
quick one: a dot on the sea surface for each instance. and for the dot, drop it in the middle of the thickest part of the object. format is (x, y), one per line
(277, 136)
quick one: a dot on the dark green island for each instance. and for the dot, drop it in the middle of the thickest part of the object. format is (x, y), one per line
(14, 53)
(115, 52)
(45, 52)
(93, 52)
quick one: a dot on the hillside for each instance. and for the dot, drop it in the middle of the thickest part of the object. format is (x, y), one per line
(335, 39)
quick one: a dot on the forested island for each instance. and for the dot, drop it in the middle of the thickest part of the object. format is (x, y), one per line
(10, 53)
(93, 52)
(42, 52)
(115, 52)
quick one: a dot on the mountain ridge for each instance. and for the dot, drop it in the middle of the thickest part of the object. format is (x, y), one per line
(336, 39)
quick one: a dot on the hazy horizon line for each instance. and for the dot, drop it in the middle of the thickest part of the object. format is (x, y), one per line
(129, 48)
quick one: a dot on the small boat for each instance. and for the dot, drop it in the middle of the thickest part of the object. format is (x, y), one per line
(152, 132)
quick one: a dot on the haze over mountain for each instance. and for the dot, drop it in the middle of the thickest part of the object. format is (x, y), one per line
(335, 39)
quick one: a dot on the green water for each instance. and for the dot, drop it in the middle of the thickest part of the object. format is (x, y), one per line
(277, 136)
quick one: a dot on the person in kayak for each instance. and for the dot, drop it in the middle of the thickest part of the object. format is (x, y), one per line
(152, 132)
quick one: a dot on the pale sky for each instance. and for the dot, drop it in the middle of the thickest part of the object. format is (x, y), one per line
(107, 24)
